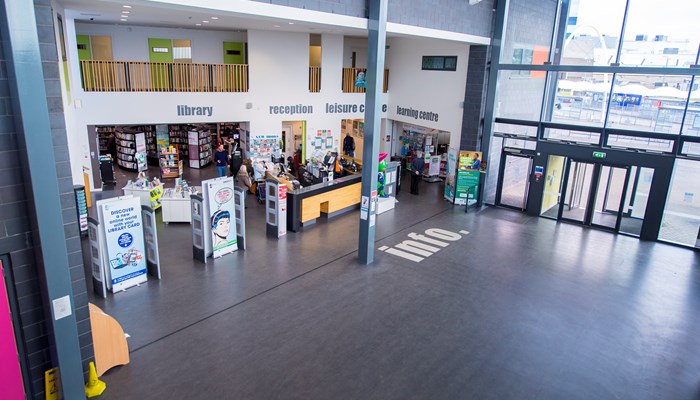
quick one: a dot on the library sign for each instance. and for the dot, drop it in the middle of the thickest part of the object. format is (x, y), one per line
(330, 108)
(185, 110)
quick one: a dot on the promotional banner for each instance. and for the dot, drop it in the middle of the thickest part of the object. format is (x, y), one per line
(465, 181)
(450, 174)
(126, 252)
(471, 160)
(141, 152)
(219, 197)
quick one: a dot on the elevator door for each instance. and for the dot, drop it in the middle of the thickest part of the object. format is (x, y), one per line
(514, 181)
(594, 194)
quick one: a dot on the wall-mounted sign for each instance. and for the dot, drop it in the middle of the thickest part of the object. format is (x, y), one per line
(417, 114)
(599, 154)
(192, 110)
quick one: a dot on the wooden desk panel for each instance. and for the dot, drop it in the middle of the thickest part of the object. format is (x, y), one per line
(330, 202)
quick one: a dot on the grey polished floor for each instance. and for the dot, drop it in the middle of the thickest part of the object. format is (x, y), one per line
(519, 308)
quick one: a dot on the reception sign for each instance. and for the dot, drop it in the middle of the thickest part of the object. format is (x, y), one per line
(126, 252)
(219, 197)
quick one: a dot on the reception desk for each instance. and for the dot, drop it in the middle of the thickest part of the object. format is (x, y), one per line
(326, 199)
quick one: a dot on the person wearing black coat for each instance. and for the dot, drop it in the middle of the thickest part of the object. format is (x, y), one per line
(236, 161)
(349, 145)
(417, 168)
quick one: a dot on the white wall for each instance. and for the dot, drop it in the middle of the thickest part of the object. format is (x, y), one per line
(279, 64)
(130, 43)
(359, 46)
(439, 92)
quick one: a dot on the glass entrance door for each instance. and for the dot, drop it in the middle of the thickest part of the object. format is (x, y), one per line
(577, 192)
(515, 181)
(594, 194)
(612, 184)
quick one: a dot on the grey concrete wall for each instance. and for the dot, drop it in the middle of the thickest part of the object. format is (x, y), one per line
(16, 237)
(353, 8)
(474, 97)
(447, 15)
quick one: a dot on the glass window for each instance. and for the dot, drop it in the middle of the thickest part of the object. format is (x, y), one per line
(520, 144)
(691, 149)
(691, 125)
(635, 142)
(593, 32)
(182, 51)
(493, 167)
(573, 136)
(519, 96)
(579, 98)
(652, 103)
(681, 219)
(661, 34)
(528, 32)
(517, 130)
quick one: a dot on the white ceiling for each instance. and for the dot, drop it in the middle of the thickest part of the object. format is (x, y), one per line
(173, 16)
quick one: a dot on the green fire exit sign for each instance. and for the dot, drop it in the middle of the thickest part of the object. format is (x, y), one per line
(598, 154)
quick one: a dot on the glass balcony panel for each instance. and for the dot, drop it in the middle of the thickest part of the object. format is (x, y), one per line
(641, 143)
(512, 129)
(571, 136)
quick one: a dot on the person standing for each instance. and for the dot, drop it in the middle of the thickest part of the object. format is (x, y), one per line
(236, 159)
(417, 168)
(221, 159)
(349, 145)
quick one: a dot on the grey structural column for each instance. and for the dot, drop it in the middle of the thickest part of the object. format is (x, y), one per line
(376, 37)
(499, 31)
(31, 114)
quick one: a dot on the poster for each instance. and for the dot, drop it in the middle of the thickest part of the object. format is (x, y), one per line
(193, 142)
(465, 181)
(162, 137)
(221, 215)
(140, 156)
(450, 174)
(471, 160)
(126, 252)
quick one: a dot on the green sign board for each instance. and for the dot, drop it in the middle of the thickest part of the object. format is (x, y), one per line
(465, 181)
(599, 154)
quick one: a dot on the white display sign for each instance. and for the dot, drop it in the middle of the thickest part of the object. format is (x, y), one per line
(434, 168)
(126, 252)
(141, 152)
(219, 197)
(193, 142)
(282, 212)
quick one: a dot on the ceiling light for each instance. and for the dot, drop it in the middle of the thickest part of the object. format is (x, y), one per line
(125, 12)
(214, 17)
(206, 22)
(126, 6)
(291, 23)
(198, 24)
(124, 19)
(276, 26)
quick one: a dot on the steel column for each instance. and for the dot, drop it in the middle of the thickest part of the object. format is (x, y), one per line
(31, 113)
(376, 37)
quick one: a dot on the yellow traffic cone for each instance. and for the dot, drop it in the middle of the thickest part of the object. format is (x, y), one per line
(94, 387)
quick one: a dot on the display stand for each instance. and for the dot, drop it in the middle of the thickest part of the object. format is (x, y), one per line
(170, 164)
(201, 224)
(107, 169)
(81, 207)
(103, 135)
(123, 245)
(275, 208)
(199, 142)
(176, 205)
(126, 150)
(391, 177)
(149, 196)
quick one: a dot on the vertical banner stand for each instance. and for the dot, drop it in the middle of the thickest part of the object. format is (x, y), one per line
(239, 199)
(199, 242)
(98, 276)
(275, 208)
(148, 216)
